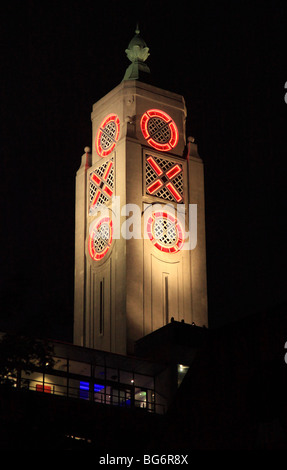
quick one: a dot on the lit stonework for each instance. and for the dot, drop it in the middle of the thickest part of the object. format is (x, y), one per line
(127, 287)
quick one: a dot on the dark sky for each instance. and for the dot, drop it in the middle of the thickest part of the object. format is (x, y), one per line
(228, 59)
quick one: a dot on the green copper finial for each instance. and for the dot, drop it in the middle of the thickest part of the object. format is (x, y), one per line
(137, 31)
(137, 52)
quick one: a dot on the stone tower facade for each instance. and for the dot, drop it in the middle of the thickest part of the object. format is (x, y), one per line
(140, 254)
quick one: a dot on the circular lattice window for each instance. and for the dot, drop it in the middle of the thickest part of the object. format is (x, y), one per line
(159, 130)
(107, 135)
(165, 232)
(100, 238)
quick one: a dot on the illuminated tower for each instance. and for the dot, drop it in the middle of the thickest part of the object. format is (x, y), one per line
(138, 192)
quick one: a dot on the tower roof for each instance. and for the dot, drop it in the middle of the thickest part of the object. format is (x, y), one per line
(137, 52)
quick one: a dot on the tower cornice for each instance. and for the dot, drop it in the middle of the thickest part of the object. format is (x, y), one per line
(140, 88)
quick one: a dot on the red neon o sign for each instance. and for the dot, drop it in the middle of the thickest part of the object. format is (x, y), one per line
(159, 130)
(100, 238)
(160, 236)
(107, 135)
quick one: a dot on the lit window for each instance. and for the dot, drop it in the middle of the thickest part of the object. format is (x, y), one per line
(85, 387)
(43, 388)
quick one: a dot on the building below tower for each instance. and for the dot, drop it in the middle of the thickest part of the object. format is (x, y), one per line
(228, 393)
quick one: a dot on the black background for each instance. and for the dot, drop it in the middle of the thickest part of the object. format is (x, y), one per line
(228, 59)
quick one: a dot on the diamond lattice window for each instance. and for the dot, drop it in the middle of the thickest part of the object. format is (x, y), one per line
(164, 179)
(101, 185)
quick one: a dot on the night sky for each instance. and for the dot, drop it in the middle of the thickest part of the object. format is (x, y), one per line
(228, 60)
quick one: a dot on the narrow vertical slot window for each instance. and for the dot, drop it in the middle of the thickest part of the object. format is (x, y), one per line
(101, 307)
(166, 306)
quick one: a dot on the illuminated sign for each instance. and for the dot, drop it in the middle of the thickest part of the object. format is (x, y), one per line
(101, 185)
(165, 232)
(107, 135)
(162, 175)
(100, 238)
(159, 130)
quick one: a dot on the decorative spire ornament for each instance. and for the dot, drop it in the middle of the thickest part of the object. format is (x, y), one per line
(137, 52)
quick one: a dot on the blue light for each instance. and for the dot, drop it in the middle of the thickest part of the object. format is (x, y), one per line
(86, 386)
